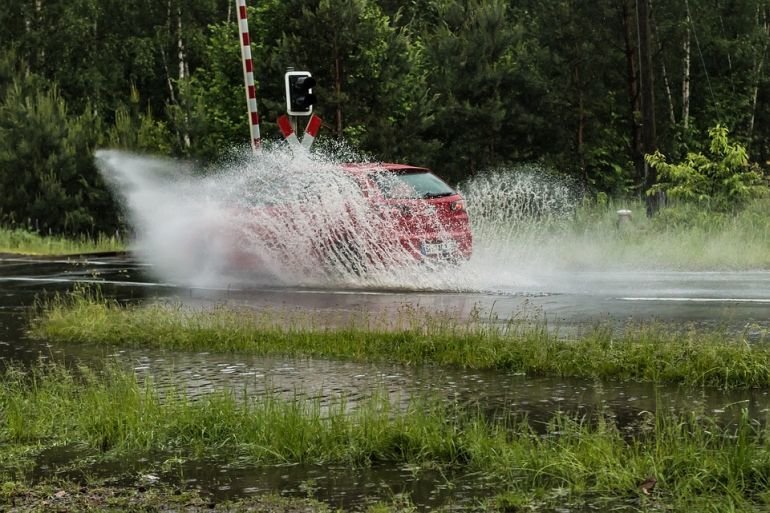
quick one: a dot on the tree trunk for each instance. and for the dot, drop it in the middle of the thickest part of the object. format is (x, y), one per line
(727, 48)
(686, 76)
(581, 121)
(758, 65)
(646, 72)
(39, 24)
(169, 82)
(184, 71)
(338, 90)
(183, 68)
(632, 85)
(666, 83)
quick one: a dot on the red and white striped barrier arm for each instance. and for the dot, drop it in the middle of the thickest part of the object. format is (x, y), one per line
(313, 126)
(284, 124)
(248, 75)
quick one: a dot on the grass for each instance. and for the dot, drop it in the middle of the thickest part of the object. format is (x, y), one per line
(682, 237)
(30, 243)
(685, 236)
(649, 353)
(699, 465)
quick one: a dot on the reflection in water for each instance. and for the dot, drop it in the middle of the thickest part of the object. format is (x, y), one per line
(341, 486)
(565, 305)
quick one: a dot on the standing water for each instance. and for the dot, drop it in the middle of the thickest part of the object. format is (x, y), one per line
(272, 215)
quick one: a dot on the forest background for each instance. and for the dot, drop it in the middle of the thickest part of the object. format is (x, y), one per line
(462, 86)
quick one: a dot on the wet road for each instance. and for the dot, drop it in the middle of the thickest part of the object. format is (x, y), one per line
(734, 300)
(739, 301)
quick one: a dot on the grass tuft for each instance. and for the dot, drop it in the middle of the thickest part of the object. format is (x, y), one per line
(643, 352)
(694, 459)
(30, 243)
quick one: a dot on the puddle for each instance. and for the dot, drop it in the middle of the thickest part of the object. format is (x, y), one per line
(494, 393)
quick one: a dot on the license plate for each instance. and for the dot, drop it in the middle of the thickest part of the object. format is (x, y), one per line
(438, 248)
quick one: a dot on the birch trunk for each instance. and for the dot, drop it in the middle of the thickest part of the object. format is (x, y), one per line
(758, 65)
(666, 83)
(169, 82)
(686, 76)
(184, 71)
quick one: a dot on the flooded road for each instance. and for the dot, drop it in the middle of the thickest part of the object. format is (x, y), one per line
(736, 301)
(567, 300)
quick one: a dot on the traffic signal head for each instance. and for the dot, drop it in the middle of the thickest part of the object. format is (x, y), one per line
(299, 93)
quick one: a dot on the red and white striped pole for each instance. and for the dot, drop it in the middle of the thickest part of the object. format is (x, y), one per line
(313, 126)
(284, 124)
(248, 76)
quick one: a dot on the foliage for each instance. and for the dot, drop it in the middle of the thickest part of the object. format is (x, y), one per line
(724, 180)
(138, 131)
(47, 179)
(215, 95)
(462, 86)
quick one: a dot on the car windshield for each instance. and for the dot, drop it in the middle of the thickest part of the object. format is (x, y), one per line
(411, 185)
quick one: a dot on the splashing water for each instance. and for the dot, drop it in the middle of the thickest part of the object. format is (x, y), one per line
(304, 221)
(278, 220)
(299, 221)
(518, 216)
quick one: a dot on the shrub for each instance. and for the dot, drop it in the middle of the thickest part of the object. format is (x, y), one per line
(724, 180)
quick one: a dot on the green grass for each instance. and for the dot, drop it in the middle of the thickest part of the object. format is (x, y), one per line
(30, 243)
(683, 237)
(649, 353)
(698, 463)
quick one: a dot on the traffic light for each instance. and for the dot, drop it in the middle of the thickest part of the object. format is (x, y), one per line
(299, 93)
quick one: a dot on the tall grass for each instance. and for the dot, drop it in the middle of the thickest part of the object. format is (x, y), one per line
(693, 458)
(650, 353)
(589, 237)
(31, 243)
(683, 236)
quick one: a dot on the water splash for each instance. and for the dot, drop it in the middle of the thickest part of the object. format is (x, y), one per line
(269, 220)
(279, 219)
(517, 215)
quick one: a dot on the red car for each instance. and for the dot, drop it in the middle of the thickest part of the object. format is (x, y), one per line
(429, 217)
(359, 217)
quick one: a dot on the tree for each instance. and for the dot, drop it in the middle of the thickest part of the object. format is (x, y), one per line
(724, 180)
(214, 97)
(370, 75)
(488, 101)
(48, 180)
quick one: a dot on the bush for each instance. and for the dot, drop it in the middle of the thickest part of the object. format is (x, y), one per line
(724, 180)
